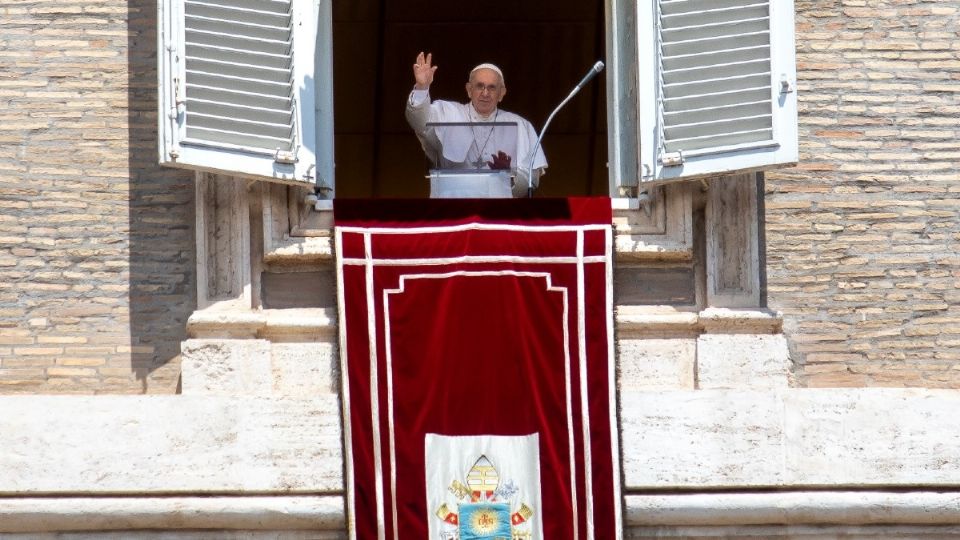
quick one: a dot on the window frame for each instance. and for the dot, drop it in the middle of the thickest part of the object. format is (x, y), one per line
(176, 151)
(630, 102)
(783, 151)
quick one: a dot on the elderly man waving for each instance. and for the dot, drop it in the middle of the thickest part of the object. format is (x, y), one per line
(477, 147)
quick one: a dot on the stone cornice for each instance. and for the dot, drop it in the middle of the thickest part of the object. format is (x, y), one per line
(643, 321)
(304, 323)
(630, 244)
(631, 321)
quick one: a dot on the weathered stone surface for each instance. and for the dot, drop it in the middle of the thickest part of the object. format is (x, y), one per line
(101, 514)
(744, 361)
(790, 437)
(169, 444)
(794, 507)
(304, 370)
(649, 364)
(184, 535)
(234, 367)
(701, 438)
(801, 532)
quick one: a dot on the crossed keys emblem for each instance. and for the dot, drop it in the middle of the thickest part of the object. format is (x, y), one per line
(483, 510)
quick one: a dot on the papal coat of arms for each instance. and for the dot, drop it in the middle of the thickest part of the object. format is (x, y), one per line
(483, 510)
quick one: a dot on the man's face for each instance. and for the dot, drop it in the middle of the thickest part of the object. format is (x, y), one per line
(485, 90)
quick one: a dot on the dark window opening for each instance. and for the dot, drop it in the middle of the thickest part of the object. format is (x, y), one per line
(543, 46)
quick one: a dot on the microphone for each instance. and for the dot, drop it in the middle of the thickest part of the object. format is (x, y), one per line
(594, 70)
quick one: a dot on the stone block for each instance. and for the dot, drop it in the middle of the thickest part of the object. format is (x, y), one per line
(743, 361)
(226, 367)
(648, 364)
(305, 369)
(100, 445)
(825, 438)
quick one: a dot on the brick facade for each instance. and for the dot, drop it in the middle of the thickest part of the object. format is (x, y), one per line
(96, 241)
(863, 236)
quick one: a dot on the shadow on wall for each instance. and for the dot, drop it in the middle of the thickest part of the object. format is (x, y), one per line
(162, 249)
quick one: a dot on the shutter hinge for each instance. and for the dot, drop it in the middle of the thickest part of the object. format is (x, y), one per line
(178, 101)
(671, 159)
(786, 85)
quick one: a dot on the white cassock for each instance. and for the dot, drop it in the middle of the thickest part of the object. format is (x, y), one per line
(472, 148)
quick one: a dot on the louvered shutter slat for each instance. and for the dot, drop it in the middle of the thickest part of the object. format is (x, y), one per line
(269, 6)
(734, 140)
(672, 7)
(231, 139)
(737, 13)
(251, 99)
(725, 112)
(226, 85)
(695, 46)
(717, 128)
(729, 84)
(701, 52)
(266, 116)
(235, 15)
(242, 46)
(714, 72)
(231, 41)
(705, 59)
(225, 68)
(232, 122)
(248, 59)
(715, 99)
(219, 25)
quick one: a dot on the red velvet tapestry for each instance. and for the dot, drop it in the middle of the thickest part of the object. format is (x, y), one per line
(478, 376)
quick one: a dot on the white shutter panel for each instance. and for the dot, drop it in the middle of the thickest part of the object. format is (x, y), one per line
(237, 87)
(717, 87)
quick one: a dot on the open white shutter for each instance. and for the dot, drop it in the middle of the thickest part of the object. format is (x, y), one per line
(716, 87)
(237, 87)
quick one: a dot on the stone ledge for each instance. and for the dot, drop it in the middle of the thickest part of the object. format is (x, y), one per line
(643, 321)
(816, 441)
(631, 321)
(36, 514)
(296, 250)
(326, 512)
(741, 321)
(650, 321)
(638, 247)
(795, 508)
(304, 323)
(630, 244)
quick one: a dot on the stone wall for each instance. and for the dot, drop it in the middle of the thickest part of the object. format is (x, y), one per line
(96, 241)
(97, 244)
(863, 236)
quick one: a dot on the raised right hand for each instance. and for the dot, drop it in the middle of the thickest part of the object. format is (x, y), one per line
(423, 71)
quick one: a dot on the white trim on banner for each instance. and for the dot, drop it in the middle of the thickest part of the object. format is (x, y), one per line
(566, 354)
(580, 260)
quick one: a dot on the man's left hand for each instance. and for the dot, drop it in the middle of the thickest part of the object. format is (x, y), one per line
(500, 161)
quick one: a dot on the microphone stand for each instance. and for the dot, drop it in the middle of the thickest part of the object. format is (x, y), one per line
(597, 68)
